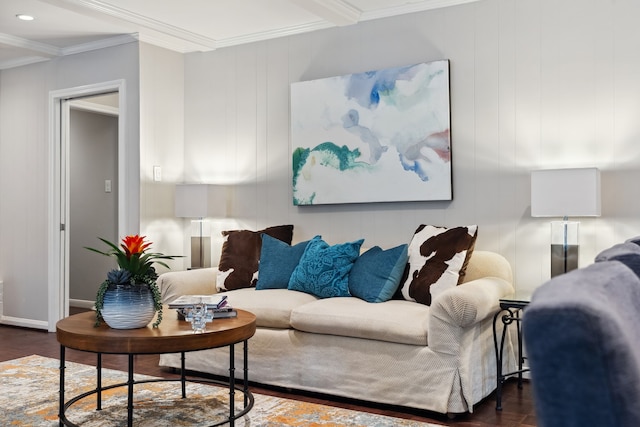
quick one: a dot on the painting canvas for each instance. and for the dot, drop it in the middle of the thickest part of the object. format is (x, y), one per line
(378, 136)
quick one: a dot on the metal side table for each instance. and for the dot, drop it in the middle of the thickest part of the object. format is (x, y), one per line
(510, 312)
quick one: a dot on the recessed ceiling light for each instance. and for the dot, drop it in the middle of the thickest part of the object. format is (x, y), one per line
(24, 17)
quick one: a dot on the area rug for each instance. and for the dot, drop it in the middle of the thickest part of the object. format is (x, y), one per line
(29, 397)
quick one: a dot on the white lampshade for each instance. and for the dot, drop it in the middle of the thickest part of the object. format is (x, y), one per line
(200, 201)
(565, 192)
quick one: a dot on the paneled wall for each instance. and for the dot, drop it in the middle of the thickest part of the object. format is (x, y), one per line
(534, 84)
(161, 144)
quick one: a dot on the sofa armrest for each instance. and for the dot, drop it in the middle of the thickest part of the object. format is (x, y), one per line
(462, 307)
(200, 281)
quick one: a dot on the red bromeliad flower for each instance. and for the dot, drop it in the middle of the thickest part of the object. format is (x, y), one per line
(134, 258)
(134, 245)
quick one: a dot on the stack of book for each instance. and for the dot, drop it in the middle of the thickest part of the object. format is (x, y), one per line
(217, 305)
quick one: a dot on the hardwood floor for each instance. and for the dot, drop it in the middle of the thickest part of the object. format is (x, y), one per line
(517, 405)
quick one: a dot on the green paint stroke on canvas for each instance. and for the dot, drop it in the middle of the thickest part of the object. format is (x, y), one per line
(325, 154)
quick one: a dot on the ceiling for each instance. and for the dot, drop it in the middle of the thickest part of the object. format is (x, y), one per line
(64, 27)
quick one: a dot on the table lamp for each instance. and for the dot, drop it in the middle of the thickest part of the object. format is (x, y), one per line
(565, 193)
(200, 201)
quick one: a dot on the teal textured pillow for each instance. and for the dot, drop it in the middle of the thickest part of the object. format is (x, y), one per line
(376, 274)
(277, 262)
(324, 270)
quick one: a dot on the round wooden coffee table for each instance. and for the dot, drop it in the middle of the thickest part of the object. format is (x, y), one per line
(172, 336)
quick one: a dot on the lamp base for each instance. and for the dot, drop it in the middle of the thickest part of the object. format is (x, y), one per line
(564, 246)
(563, 261)
(200, 252)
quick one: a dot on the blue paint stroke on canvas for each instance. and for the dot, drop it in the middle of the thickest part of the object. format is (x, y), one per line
(362, 137)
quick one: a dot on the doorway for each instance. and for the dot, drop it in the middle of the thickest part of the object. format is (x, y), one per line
(64, 105)
(93, 192)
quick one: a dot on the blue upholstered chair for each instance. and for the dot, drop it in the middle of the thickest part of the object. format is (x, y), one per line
(627, 252)
(582, 335)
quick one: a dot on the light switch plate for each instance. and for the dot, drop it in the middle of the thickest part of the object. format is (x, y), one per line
(157, 173)
(107, 186)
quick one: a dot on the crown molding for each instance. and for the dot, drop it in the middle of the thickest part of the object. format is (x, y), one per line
(321, 25)
(44, 52)
(172, 43)
(204, 43)
(404, 9)
(99, 44)
(338, 12)
(268, 35)
(42, 49)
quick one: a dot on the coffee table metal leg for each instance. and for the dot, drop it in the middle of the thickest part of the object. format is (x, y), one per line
(62, 367)
(232, 386)
(99, 382)
(246, 373)
(183, 375)
(130, 393)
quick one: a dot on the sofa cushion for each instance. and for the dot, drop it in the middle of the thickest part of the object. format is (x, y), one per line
(376, 274)
(272, 307)
(277, 261)
(438, 258)
(396, 321)
(324, 270)
(238, 267)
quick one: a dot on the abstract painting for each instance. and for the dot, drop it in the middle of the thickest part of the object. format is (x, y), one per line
(378, 136)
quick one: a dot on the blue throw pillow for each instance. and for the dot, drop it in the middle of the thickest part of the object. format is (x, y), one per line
(323, 270)
(277, 262)
(376, 274)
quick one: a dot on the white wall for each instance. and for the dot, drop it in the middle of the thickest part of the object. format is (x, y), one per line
(25, 168)
(161, 144)
(534, 84)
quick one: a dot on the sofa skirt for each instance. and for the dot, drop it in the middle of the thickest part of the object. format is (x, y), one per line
(369, 370)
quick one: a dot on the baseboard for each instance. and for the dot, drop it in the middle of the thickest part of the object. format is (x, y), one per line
(81, 303)
(18, 321)
(24, 323)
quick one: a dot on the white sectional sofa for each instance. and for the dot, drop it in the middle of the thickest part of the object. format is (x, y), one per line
(438, 358)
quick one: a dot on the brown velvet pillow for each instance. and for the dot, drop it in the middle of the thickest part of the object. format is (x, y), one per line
(238, 267)
(438, 259)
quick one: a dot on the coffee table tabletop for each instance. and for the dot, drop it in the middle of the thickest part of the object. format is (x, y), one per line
(80, 333)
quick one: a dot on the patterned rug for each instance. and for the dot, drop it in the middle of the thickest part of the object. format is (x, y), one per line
(29, 397)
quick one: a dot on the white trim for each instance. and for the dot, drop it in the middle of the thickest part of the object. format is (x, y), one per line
(205, 43)
(45, 52)
(57, 288)
(404, 9)
(94, 108)
(273, 34)
(338, 12)
(42, 49)
(25, 323)
(99, 44)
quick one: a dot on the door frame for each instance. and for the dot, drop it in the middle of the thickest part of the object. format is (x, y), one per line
(58, 203)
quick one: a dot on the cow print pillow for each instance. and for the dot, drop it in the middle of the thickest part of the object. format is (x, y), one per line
(240, 257)
(438, 258)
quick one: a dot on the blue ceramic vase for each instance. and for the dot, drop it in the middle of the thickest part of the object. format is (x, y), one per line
(128, 307)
